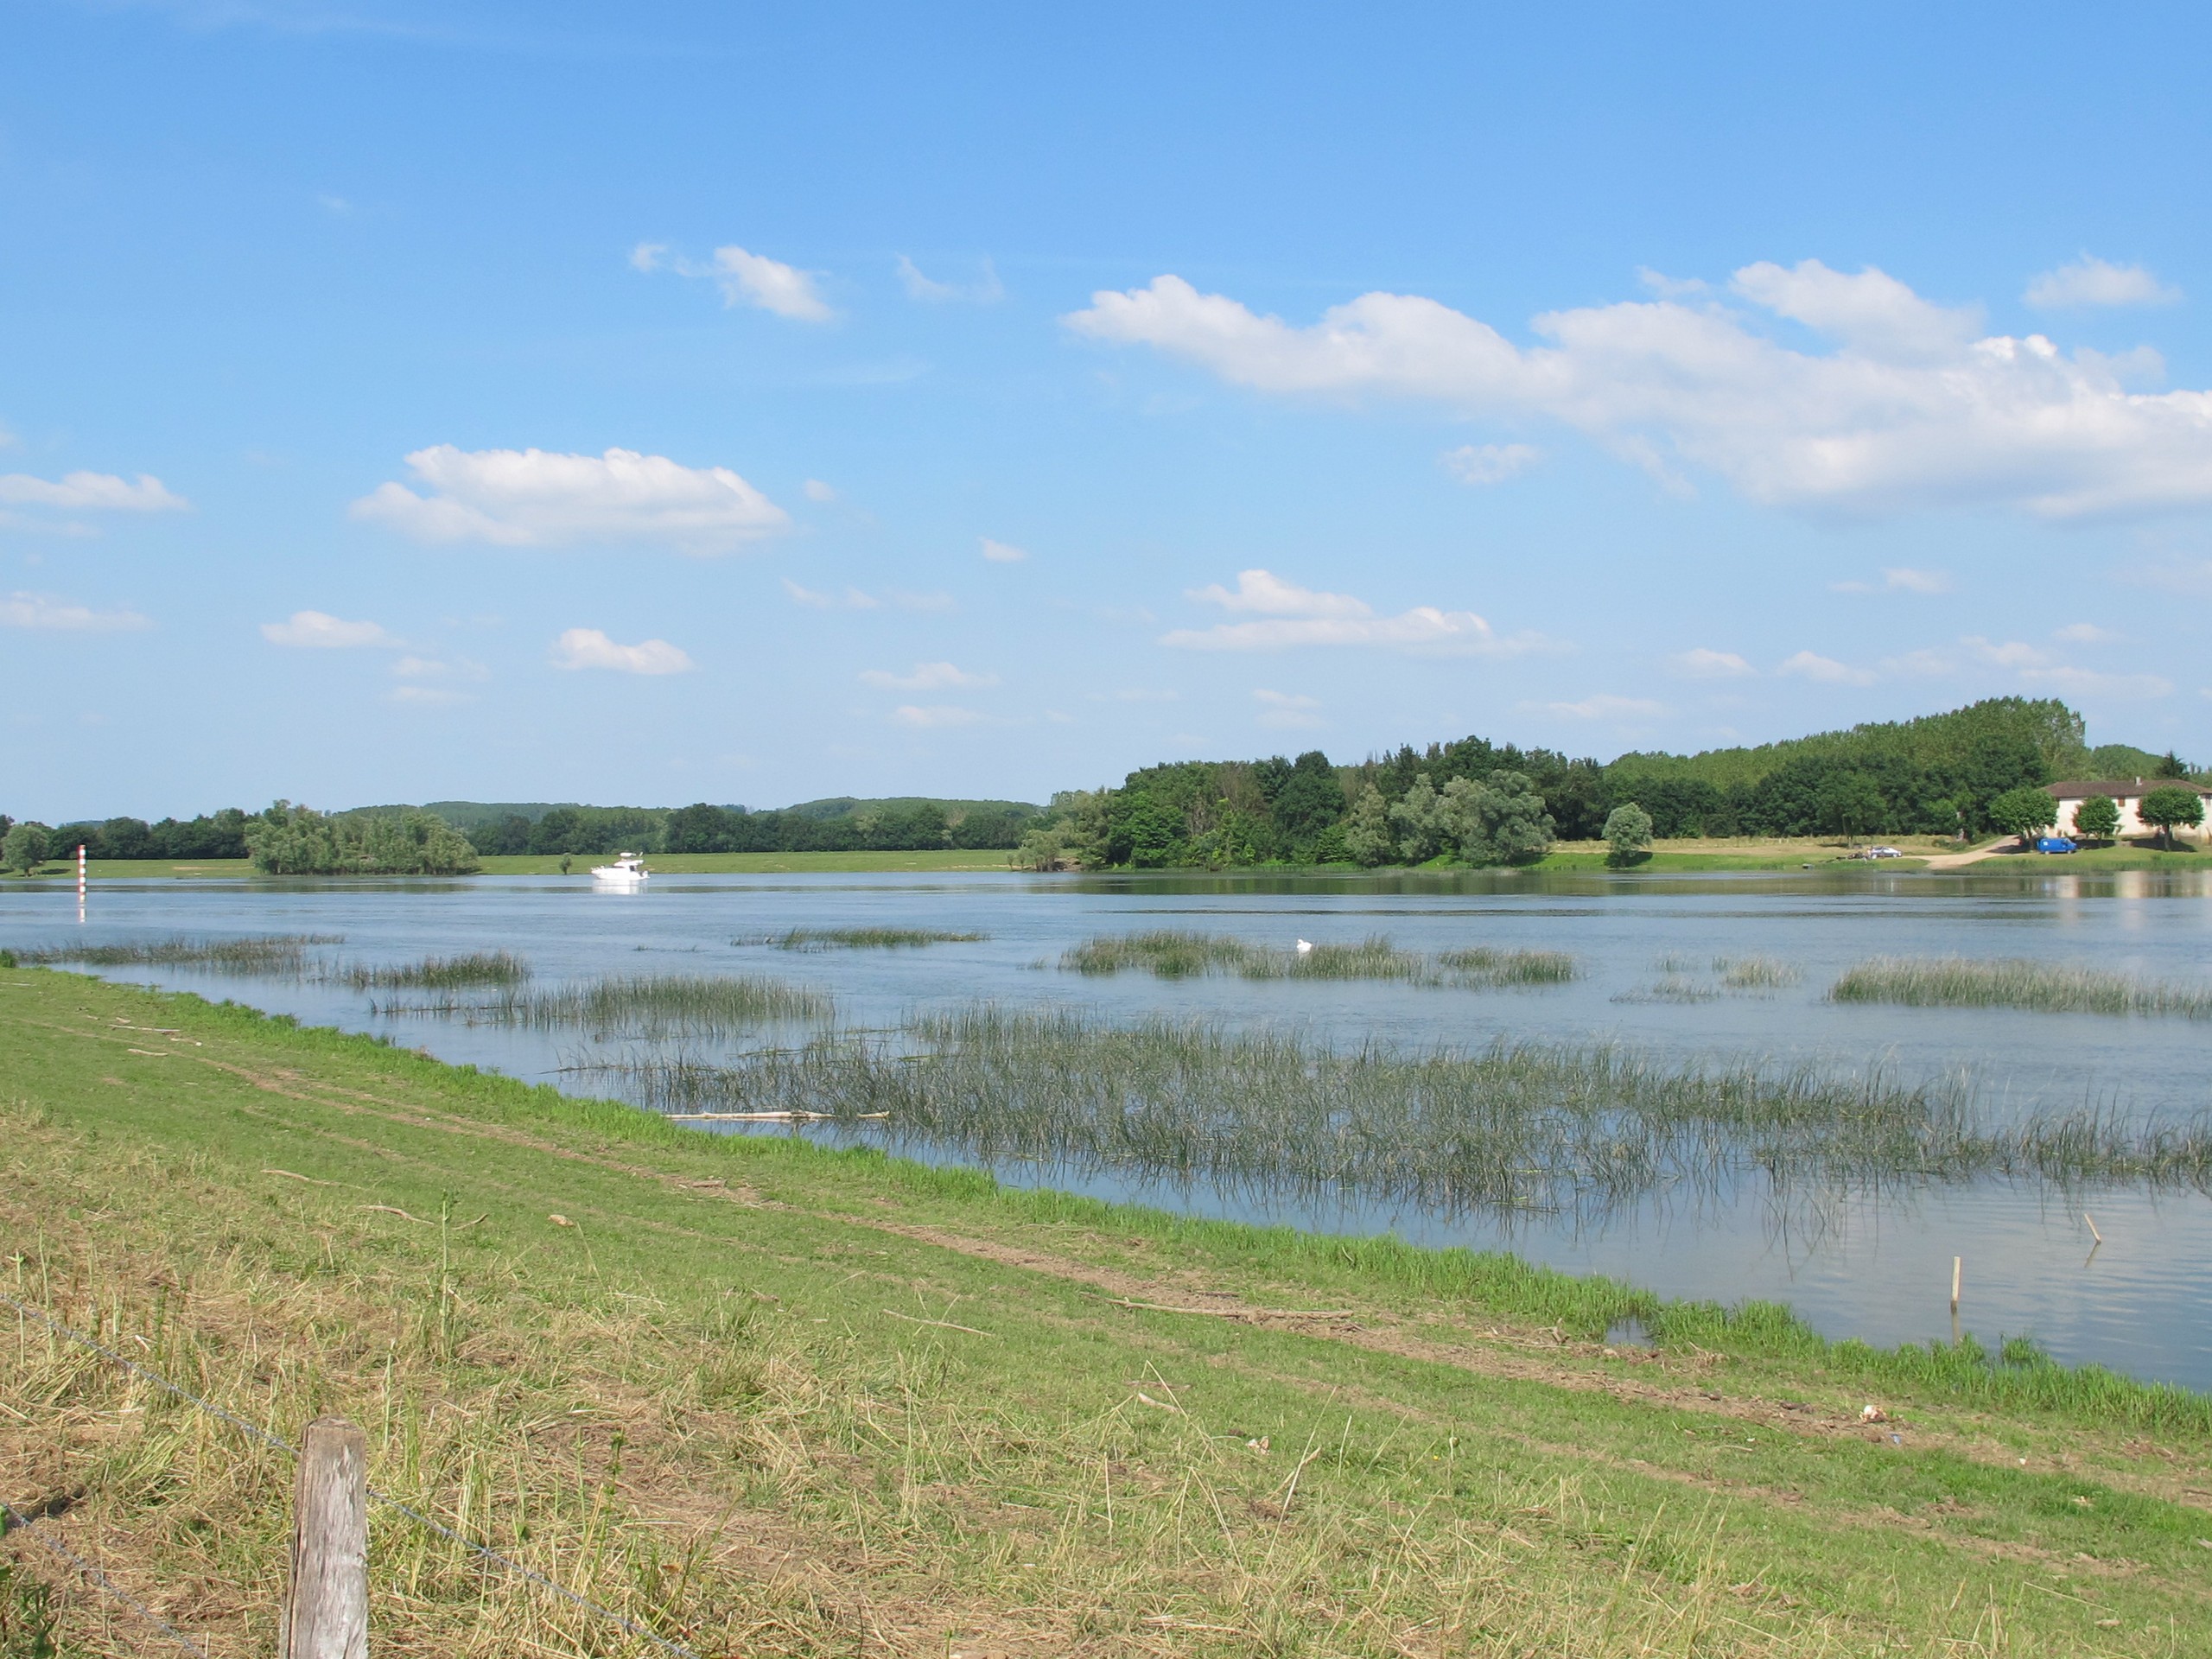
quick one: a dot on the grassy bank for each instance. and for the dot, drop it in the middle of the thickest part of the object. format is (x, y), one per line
(770, 1399)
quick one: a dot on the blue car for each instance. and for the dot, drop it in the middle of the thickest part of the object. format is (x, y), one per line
(2056, 844)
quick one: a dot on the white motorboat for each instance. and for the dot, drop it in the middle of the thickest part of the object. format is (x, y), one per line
(628, 870)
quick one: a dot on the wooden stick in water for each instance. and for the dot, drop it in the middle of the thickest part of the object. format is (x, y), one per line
(2093, 1233)
(1956, 1265)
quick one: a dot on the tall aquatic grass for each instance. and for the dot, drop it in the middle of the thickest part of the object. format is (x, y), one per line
(2012, 982)
(1512, 1126)
(439, 973)
(868, 938)
(274, 954)
(1170, 953)
(652, 1007)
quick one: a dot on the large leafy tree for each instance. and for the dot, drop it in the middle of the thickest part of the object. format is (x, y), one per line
(1627, 832)
(25, 846)
(2097, 818)
(2023, 811)
(2173, 804)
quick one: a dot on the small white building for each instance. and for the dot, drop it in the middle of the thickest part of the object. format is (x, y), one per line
(2129, 793)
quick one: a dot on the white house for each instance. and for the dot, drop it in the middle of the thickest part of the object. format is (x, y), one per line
(2129, 793)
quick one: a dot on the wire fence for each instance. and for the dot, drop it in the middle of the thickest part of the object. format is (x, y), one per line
(19, 1522)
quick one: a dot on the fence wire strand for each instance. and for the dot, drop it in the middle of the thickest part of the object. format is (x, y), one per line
(27, 1525)
(643, 1632)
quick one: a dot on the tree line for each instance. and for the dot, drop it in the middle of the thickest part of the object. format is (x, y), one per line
(871, 826)
(1475, 801)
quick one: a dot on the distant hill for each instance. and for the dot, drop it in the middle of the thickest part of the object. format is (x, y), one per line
(844, 806)
(470, 815)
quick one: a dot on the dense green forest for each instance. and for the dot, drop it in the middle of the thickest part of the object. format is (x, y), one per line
(1479, 803)
(1471, 801)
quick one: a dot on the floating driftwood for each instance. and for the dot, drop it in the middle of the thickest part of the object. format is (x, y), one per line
(772, 1117)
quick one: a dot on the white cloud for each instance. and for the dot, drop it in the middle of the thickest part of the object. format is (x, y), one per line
(934, 715)
(1605, 706)
(1304, 616)
(815, 490)
(1492, 463)
(926, 676)
(1704, 664)
(1002, 553)
(1825, 670)
(536, 498)
(985, 289)
(1908, 410)
(2091, 280)
(1287, 710)
(22, 610)
(2012, 653)
(319, 630)
(590, 648)
(2085, 634)
(745, 278)
(90, 492)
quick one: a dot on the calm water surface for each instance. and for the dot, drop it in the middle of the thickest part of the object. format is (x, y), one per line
(1853, 1264)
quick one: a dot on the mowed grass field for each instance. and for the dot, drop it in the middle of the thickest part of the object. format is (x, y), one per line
(767, 1399)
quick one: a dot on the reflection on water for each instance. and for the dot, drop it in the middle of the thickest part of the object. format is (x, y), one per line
(1872, 1264)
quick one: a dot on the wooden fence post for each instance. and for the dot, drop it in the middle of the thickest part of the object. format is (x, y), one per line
(327, 1602)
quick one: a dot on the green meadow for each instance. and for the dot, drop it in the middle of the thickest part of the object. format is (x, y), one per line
(764, 1397)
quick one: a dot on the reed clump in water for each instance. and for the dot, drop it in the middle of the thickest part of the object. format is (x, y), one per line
(870, 938)
(2012, 982)
(1757, 973)
(439, 973)
(649, 1006)
(1178, 954)
(274, 954)
(1515, 1126)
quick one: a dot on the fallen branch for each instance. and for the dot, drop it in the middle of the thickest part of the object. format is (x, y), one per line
(943, 1324)
(1236, 1312)
(389, 1210)
(293, 1175)
(771, 1117)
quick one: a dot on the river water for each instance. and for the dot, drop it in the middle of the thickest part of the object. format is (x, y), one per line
(1877, 1267)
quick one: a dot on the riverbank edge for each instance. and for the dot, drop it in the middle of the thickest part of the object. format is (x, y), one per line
(1768, 1339)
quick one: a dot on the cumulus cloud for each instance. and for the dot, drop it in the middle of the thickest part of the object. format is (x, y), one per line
(1287, 711)
(1704, 664)
(590, 648)
(22, 610)
(745, 278)
(90, 492)
(1302, 616)
(536, 498)
(319, 630)
(926, 676)
(1605, 706)
(985, 289)
(2085, 634)
(1002, 553)
(1492, 463)
(1826, 670)
(2091, 280)
(1912, 407)
(1898, 579)
(815, 490)
(934, 715)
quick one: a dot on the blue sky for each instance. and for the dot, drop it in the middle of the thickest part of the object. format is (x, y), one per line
(662, 404)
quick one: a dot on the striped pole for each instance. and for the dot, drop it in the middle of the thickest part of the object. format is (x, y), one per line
(80, 880)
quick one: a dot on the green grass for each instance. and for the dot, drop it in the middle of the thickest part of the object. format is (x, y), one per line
(867, 938)
(2013, 983)
(769, 1398)
(1182, 954)
(715, 1398)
